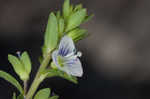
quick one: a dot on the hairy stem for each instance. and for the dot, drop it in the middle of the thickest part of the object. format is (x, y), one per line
(37, 80)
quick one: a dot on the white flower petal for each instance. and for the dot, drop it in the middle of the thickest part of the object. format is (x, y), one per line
(55, 60)
(54, 57)
(66, 46)
(70, 63)
(74, 67)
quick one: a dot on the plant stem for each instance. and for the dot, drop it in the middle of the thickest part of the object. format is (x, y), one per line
(37, 79)
(25, 87)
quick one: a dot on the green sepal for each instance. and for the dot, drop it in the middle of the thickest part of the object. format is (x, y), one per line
(11, 80)
(54, 97)
(43, 94)
(18, 67)
(66, 9)
(14, 95)
(78, 7)
(58, 73)
(26, 62)
(61, 25)
(20, 96)
(58, 14)
(77, 34)
(51, 34)
(76, 19)
(87, 18)
(71, 9)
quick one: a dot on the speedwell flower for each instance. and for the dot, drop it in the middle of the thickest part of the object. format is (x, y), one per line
(66, 58)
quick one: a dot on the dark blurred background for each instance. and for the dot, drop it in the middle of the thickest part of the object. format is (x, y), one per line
(116, 55)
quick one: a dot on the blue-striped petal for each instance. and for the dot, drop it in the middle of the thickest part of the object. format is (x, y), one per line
(74, 67)
(55, 58)
(66, 59)
(66, 46)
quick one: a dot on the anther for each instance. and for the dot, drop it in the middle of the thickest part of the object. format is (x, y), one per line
(79, 54)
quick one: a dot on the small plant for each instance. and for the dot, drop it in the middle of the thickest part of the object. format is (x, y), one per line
(59, 56)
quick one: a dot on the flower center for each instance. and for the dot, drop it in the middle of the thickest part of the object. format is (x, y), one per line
(60, 61)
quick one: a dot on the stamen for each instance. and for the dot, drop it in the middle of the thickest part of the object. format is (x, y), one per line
(79, 54)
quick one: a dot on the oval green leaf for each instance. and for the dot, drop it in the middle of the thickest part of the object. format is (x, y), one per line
(43, 94)
(18, 67)
(26, 61)
(51, 35)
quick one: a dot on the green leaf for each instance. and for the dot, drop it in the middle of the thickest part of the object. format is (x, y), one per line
(43, 94)
(87, 18)
(77, 34)
(71, 9)
(26, 61)
(61, 26)
(54, 97)
(11, 79)
(58, 15)
(20, 96)
(51, 35)
(66, 9)
(78, 7)
(58, 73)
(14, 95)
(18, 67)
(76, 19)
